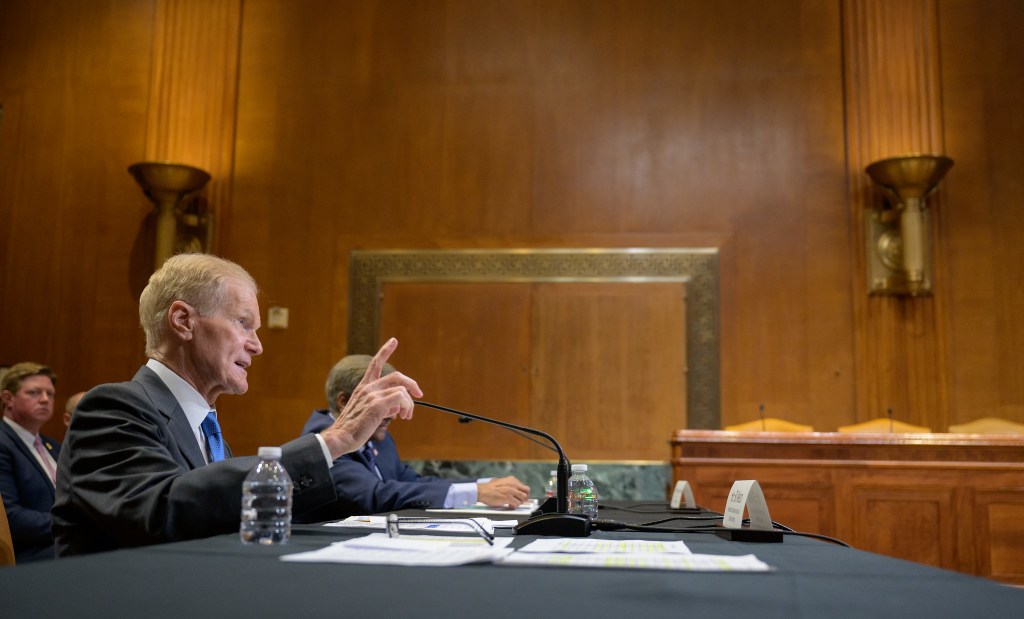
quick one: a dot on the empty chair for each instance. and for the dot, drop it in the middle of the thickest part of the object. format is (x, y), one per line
(988, 425)
(883, 425)
(769, 424)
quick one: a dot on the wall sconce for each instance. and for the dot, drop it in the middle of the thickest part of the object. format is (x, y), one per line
(183, 222)
(898, 233)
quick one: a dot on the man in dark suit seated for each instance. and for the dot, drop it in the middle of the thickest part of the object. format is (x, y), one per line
(144, 461)
(28, 460)
(374, 479)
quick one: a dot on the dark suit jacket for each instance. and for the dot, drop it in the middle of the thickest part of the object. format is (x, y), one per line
(27, 495)
(361, 492)
(131, 473)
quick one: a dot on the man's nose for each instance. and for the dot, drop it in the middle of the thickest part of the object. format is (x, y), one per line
(255, 346)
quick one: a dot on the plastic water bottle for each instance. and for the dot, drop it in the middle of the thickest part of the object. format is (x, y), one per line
(582, 493)
(267, 501)
(552, 487)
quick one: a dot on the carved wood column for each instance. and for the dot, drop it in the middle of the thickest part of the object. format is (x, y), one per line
(893, 107)
(194, 91)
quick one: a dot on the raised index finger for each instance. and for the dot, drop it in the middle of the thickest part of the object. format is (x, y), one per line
(376, 366)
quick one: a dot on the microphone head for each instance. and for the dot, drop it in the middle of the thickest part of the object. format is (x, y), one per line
(464, 419)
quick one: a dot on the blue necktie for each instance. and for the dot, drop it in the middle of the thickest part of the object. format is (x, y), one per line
(372, 458)
(214, 440)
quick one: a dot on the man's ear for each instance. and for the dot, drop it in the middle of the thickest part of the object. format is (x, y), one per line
(340, 400)
(181, 319)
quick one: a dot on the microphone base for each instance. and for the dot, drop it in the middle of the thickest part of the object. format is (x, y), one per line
(560, 525)
(549, 506)
(758, 536)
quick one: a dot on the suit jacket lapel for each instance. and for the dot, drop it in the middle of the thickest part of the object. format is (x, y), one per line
(181, 432)
(27, 453)
(52, 446)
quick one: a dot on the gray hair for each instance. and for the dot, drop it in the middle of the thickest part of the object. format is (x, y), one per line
(196, 279)
(344, 377)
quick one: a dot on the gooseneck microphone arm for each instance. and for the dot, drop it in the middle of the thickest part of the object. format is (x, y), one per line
(561, 522)
(562, 493)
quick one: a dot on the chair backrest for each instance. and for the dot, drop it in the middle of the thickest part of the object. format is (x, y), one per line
(988, 425)
(6, 544)
(769, 424)
(884, 425)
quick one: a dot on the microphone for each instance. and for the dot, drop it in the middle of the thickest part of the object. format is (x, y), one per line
(760, 411)
(548, 519)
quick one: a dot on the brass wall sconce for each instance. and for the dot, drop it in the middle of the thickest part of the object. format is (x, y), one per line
(183, 222)
(898, 233)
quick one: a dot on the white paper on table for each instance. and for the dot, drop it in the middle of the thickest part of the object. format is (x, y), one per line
(451, 525)
(422, 542)
(648, 561)
(486, 510)
(424, 550)
(605, 546)
(504, 524)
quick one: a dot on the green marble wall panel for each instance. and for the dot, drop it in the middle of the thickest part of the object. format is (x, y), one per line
(615, 481)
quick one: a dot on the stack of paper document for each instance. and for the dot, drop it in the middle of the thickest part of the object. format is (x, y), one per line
(448, 525)
(429, 550)
(633, 554)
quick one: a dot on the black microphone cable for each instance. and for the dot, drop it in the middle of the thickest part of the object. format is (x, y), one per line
(603, 524)
(640, 508)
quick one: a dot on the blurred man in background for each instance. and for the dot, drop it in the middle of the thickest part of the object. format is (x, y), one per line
(374, 479)
(28, 459)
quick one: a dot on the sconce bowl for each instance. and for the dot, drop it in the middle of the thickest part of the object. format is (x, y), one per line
(165, 181)
(910, 176)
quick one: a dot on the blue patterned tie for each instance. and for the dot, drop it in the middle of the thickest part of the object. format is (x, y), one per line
(214, 440)
(372, 458)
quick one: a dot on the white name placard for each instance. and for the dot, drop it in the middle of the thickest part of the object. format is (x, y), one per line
(682, 495)
(746, 495)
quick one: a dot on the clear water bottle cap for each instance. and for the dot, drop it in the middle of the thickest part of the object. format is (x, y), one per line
(270, 453)
(579, 468)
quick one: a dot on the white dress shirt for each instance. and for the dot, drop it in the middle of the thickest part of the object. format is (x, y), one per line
(196, 407)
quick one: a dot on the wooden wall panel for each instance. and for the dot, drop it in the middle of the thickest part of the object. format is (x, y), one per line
(478, 333)
(981, 222)
(599, 365)
(1001, 550)
(904, 520)
(458, 123)
(894, 108)
(496, 124)
(74, 249)
(949, 500)
(193, 90)
(609, 366)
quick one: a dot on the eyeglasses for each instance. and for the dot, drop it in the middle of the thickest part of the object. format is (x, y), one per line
(394, 523)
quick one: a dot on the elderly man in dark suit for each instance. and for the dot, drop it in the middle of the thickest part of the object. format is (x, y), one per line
(144, 461)
(28, 459)
(374, 479)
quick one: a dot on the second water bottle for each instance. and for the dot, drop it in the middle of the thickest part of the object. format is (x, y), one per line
(582, 493)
